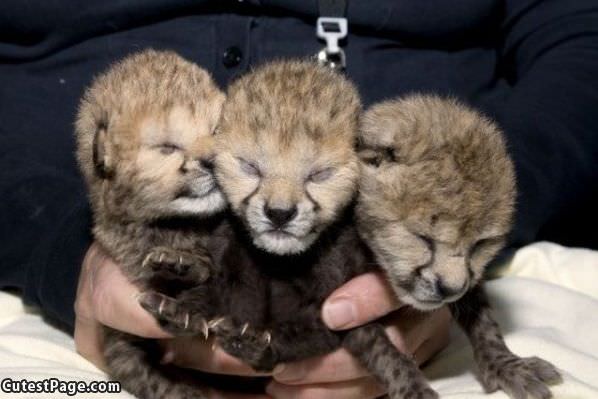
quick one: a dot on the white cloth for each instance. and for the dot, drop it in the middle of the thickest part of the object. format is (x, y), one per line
(546, 303)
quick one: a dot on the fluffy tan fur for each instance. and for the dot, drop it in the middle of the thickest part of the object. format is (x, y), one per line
(286, 141)
(437, 193)
(149, 117)
(436, 202)
(145, 146)
(286, 160)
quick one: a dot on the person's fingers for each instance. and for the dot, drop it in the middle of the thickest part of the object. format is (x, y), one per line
(214, 394)
(419, 333)
(337, 366)
(88, 334)
(197, 353)
(114, 300)
(104, 296)
(362, 299)
(363, 388)
(414, 333)
(432, 346)
(88, 341)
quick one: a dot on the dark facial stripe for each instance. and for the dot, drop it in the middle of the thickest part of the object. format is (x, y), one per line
(317, 206)
(246, 200)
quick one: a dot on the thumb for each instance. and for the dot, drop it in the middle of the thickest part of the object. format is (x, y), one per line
(359, 301)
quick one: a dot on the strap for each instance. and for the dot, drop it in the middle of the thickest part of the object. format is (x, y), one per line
(332, 26)
(333, 8)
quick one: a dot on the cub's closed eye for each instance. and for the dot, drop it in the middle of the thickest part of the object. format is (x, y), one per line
(375, 157)
(486, 242)
(249, 168)
(370, 157)
(374, 161)
(321, 175)
(168, 148)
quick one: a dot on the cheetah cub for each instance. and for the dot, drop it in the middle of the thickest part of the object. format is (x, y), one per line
(145, 146)
(287, 164)
(436, 203)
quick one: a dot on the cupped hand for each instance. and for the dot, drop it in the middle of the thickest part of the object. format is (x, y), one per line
(106, 297)
(338, 374)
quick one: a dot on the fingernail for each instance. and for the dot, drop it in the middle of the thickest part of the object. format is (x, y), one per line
(167, 357)
(338, 313)
(279, 368)
(289, 372)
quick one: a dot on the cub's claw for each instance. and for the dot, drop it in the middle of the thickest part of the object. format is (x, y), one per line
(214, 323)
(244, 328)
(173, 317)
(267, 337)
(205, 330)
(161, 307)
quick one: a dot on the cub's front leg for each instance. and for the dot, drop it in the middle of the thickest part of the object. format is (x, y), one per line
(168, 273)
(263, 348)
(499, 367)
(190, 313)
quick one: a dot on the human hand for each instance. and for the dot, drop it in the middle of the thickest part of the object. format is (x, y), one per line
(338, 374)
(106, 297)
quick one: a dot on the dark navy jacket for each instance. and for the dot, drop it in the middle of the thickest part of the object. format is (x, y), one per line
(530, 64)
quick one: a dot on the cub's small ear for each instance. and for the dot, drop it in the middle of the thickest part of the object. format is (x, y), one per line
(102, 154)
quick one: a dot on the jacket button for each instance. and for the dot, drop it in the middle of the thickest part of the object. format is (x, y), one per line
(232, 57)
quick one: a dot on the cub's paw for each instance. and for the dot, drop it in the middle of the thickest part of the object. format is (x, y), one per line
(520, 377)
(416, 389)
(173, 316)
(245, 342)
(171, 264)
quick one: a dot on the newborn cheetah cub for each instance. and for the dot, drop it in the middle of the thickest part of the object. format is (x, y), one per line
(145, 146)
(436, 202)
(286, 161)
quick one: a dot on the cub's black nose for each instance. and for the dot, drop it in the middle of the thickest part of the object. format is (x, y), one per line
(280, 216)
(207, 163)
(444, 291)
